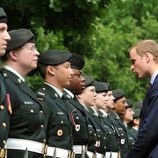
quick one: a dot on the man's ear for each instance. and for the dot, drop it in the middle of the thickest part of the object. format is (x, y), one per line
(148, 57)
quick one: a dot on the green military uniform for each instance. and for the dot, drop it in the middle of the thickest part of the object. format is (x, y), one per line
(59, 133)
(79, 123)
(27, 134)
(122, 133)
(27, 118)
(134, 133)
(131, 138)
(102, 140)
(111, 134)
(4, 118)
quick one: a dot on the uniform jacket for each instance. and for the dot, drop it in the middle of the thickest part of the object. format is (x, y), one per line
(122, 133)
(27, 118)
(101, 148)
(112, 141)
(4, 116)
(79, 123)
(27, 115)
(59, 129)
(146, 145)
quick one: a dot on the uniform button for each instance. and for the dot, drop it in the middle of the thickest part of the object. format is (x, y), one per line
(44, 140)
(77, 117)
(1, 107)
(43, 88)
(4, 142)
(19, 80)
(31, 110)
(5, 75)
(4, 124)
(41, 112)
(99, 136)
(62, 122)
(42, 126)
(94, 134)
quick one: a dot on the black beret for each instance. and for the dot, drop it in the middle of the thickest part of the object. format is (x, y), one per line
(54, 57)
(100, 86)
(136, 113)
(77, 61)
(89, 81)
(118, 93)
(3, 16)
(129, 103)
(19, 38)
(139, 104)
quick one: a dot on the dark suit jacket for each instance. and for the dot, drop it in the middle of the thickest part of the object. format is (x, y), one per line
(59, 132)
(4, 117)
(146, 145)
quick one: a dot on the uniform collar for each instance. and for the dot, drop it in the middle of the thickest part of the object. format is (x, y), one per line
(94, 111)
(56, 89)
(69, 93)
(14, 71)
(105, 114)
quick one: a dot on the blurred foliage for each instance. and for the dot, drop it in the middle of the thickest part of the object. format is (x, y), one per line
(100, 30)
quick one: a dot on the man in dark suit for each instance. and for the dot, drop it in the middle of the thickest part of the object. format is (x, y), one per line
(54, 67)
(144, 63)
(4, 118)
(27, 135)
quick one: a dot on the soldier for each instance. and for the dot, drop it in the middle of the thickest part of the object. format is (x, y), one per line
(79, 120)
(87, 99)
(4, 118)
(105, 104)
(135, 123)
(115, 117)
(127, 118)
(26, 135)
(54, 67)
(100, 89)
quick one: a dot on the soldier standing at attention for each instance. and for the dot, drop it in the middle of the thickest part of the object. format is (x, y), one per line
(55, 69)
(27, 135)
(4, 118)
(79, 118)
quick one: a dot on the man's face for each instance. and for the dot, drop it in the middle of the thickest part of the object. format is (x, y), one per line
(120, 106)
(138, 64)
(77, 83)
(128, 116)
(4, 38)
